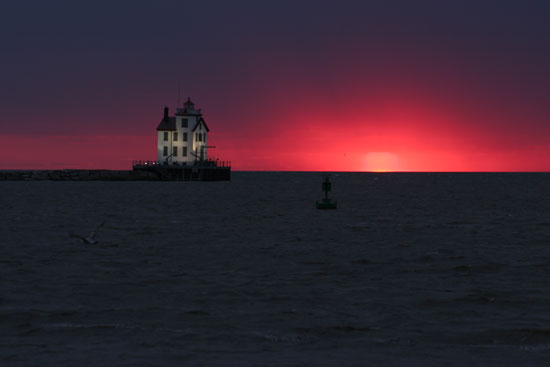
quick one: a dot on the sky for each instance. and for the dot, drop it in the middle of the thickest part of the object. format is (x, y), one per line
(382, 85)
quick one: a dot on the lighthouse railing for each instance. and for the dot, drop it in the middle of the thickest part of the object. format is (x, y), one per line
(211, 162)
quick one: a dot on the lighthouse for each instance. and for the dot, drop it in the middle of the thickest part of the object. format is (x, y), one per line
(182, 138)
(182, 143)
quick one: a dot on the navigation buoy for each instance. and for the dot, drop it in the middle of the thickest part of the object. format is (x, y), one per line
(326, 203)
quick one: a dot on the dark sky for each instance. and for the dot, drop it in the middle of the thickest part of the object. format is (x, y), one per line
(292, 85)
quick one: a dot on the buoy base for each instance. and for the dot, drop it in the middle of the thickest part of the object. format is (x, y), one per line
(326, 204)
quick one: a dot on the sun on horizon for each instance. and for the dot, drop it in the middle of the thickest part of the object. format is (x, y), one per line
(382, 162)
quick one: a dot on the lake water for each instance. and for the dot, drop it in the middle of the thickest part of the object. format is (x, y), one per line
(412, 269)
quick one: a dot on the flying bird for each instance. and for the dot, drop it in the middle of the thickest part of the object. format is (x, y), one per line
(90, 240)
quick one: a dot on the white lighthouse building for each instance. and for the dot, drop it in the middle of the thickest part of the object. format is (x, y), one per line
(182, 138)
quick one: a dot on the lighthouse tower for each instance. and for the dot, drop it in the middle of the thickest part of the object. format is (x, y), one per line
(182, 138)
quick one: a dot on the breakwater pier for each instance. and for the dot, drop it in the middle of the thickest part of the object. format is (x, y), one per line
(141, 171)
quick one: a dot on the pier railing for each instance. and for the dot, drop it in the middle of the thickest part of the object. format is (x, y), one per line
(204, 163)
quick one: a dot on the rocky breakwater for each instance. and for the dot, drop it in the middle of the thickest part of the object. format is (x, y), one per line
(77, 175)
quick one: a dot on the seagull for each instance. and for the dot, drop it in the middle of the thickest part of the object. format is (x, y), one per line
(90, 240)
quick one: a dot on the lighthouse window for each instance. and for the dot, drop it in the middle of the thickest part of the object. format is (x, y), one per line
(165, 136)
(184, 136)
(183, 122)
(165, 152)
(175, 136)
(184, 151)
(175, 151)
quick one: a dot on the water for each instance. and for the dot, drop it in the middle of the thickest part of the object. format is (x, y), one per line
(411, 269)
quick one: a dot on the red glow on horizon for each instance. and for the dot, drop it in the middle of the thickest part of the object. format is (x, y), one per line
(411, 134)
(117, 152)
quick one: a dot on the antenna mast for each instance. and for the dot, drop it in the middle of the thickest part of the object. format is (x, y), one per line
(179, 93)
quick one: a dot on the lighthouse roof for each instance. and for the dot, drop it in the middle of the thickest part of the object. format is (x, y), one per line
(199, 122)
(167, 124)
